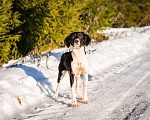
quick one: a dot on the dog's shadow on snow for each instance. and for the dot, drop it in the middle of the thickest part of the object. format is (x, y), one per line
(42, 82)
(45, 85)
(69, 99)
(58, 100)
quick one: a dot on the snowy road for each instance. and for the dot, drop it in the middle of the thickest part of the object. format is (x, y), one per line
(120, 89)
(118, 93)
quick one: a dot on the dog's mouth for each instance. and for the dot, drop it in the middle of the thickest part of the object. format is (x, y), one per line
(76, 45)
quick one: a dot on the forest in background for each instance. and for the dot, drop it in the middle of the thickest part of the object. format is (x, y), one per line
(42, 25)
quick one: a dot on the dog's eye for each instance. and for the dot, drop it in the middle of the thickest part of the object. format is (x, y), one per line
(73, 36)
(80, 35)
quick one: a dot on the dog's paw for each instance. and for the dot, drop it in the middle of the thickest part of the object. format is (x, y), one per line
(75, 106)
(54, 97)
(87, 102)
(80, 98)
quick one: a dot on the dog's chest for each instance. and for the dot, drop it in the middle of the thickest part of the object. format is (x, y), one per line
(79, 63)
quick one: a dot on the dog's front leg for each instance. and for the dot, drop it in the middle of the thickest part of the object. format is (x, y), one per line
(77, 87)
(74, 101)
(85, 80)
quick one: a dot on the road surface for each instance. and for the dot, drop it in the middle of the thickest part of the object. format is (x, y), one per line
(121, 92)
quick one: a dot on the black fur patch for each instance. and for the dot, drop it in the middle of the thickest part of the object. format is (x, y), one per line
(65, 64)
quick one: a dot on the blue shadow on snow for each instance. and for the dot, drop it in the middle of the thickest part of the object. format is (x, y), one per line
(39, 77)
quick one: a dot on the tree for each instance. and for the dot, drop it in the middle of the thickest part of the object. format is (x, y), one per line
(46, 23)
(62, 18)
(97, 15)
(32, 14)
(8, 35)
(133, 11)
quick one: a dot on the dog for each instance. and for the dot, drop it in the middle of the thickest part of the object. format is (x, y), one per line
(76, 63)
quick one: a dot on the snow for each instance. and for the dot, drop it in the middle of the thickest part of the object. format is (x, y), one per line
(34, 86)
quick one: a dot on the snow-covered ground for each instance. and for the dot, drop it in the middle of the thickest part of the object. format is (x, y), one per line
(118, 86)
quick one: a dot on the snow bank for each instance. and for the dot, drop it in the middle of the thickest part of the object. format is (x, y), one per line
(23, 86)
(117, 49)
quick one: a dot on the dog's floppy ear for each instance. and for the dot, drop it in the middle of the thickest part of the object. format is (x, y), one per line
(87, 40)
(67, 41)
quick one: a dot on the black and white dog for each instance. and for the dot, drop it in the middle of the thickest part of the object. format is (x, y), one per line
(75, 62)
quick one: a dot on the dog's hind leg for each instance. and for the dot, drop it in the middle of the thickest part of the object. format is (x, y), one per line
(60, 77)
(77, 87)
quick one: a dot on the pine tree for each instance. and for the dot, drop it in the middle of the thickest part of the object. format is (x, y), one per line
(61, 20)
(8, 36)
(133, 11)
(97, 15)
(46, 22)
(32, 19)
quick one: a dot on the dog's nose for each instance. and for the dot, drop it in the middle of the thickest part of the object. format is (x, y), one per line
(76, 41)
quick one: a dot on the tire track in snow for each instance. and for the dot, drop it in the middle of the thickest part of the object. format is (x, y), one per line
(135, 100)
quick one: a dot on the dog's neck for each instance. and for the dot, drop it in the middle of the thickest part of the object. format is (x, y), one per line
(80, 51)
(77, 50)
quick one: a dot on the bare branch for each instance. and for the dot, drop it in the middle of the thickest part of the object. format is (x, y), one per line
(95, 18)
(119, 14)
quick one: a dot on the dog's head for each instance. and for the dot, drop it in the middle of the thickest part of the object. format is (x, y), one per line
(77, 39)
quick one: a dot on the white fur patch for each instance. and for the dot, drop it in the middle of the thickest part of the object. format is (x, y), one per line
(80, 63)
